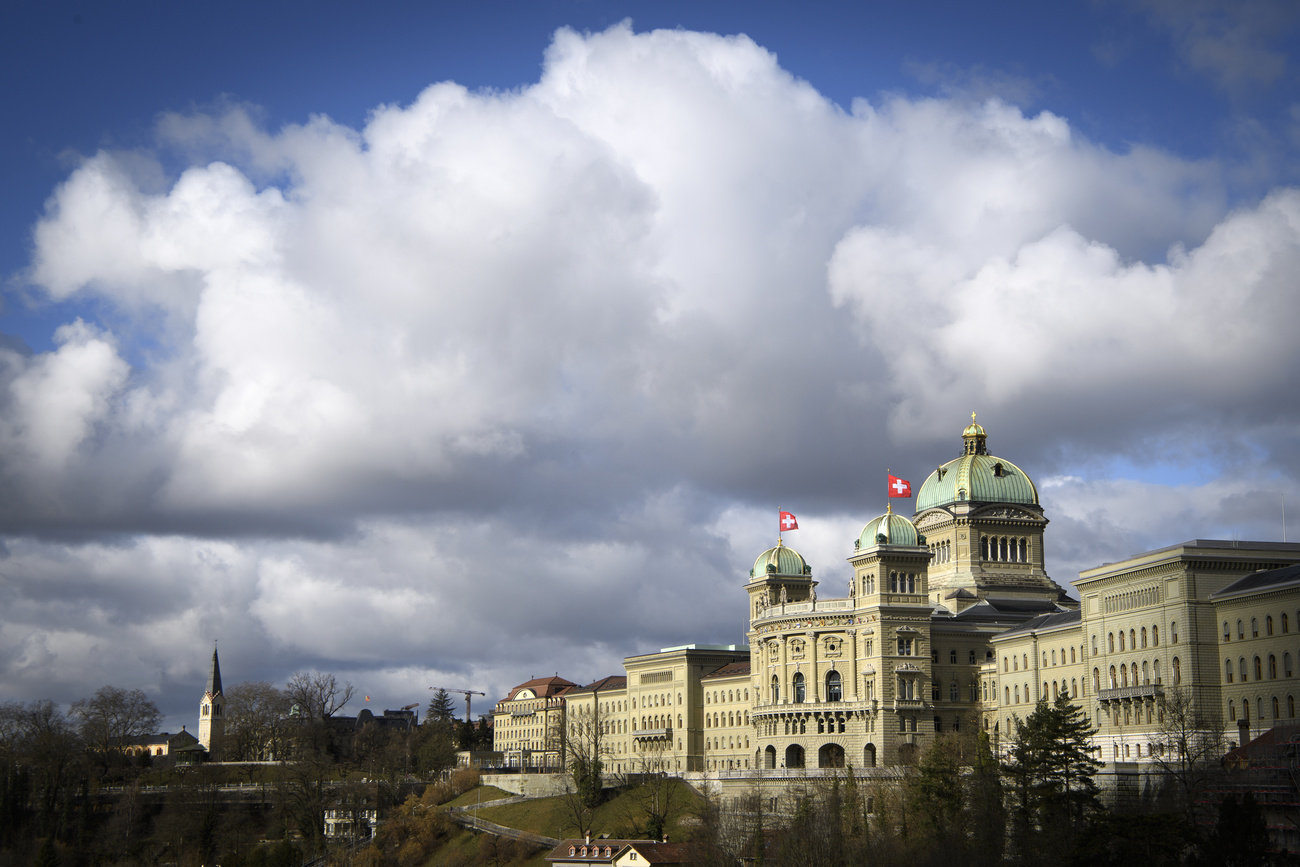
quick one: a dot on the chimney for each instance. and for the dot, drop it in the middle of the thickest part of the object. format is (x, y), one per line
(588, 840)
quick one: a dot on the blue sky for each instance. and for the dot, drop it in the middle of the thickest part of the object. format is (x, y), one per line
(302, 352)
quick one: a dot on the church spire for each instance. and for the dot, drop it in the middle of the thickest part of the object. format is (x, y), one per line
(214, 676)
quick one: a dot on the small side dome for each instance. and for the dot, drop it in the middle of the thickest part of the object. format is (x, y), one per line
(780, 561)
(888, 529)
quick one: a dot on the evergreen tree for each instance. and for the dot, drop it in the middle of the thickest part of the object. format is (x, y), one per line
(1051, 771)
(441, 708)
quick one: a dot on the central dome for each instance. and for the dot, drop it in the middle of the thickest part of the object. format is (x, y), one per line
(976, 476)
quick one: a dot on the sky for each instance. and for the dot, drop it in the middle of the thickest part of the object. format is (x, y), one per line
(453, 344)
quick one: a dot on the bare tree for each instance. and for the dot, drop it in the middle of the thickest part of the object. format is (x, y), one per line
(1191, 745)
(318, 695)
(255, 721)
(112, 715)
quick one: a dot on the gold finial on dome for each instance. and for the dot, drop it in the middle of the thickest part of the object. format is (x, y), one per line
(972, 417)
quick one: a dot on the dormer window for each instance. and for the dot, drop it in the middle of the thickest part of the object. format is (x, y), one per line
(573, 850)
(999, 470)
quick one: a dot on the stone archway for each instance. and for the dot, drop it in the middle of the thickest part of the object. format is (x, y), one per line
(869, 756)
(830, 756)
(794, 756)
(769, 757)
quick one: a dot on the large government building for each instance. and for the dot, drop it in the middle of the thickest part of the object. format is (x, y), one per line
(950, 624)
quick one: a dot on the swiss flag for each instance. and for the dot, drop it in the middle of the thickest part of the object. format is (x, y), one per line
(788, 522)
(899, 487)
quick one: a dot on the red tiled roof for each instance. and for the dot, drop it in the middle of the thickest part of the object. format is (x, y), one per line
(613, 681)
(731, 669)
(545, 687)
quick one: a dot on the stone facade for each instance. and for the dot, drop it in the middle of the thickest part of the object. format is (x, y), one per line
(950, 624)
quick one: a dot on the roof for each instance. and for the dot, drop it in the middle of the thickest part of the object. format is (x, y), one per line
(668, 853)
(1003, 610)
(214, 675)
(649, 851)
(976, 477)
(731, 669)
(1261, 580)
(1042, 622)
(543, 687)
(887, 529)
(613, 681)
(780, 560)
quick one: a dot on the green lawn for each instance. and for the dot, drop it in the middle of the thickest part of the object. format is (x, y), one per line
(623, 815)
(482, 793)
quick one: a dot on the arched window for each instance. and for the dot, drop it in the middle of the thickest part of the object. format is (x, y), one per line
(1268, 625)
(1290, 703)
(1008, 697)
(798, 687)
(1094, 645)
(1259, 669)
(1123, 675)
(1121, 641)
(1241, 668)
(1132, 639)
(1156, 665)
(1227, 633)
(869, 756)
(953, 693)
(1113, 684)
(833, 690)
(1276, 715)
(1272, 666)
(1155, 636)
(776, 690)
(1286, 665)
(952, 656)
(1285, 625)
(1241, 630)
(1110, 640)
(971, 661)
(1073, 659)
(1254, 628)
(1144, 636)
(1227, 670)
(1178, 672)
(1096, 681)
(1146, 677)
(1232, 711)
(1074, 687)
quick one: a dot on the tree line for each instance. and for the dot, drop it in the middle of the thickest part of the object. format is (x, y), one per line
(71, 794)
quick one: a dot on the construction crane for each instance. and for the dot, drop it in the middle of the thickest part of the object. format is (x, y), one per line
(466, 692)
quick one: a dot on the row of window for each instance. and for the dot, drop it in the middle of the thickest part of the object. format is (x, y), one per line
(1254, 627)
(1129, 672)
(1259, 668)
(799, 689)
(1259, 708)
(716, 720)
(941, 552)
(1137, 638)
(1004, 549)
(728, 696)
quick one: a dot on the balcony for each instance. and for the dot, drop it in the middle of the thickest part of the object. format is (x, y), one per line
(1149, 690)
(908, 704)
(822, 707)
(652, 734)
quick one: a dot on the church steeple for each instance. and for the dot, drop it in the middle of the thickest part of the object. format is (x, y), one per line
(212, 710)
(214, 676)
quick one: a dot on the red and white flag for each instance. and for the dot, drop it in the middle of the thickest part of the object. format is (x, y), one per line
(788, 522)
(899, 487)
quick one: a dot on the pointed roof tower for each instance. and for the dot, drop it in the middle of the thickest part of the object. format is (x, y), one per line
(214, 676)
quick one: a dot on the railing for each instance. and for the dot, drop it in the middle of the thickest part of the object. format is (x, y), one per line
(791, 608)
(1149, 690)
(814, 707)
(502, 831)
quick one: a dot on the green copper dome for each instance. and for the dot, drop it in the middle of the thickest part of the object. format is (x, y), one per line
(976, 476)
(895, 530)
(782, 560)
